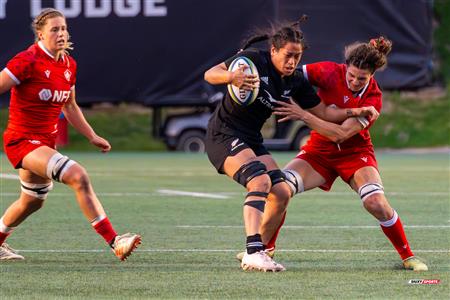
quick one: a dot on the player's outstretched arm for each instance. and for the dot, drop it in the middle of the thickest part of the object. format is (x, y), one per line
(334, 132)
(6, 82)
(338, 115)
(75, 116)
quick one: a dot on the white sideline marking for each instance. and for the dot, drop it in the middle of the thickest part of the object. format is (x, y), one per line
(9, 176)
(229, 250)
(314, 227)
(191, 194)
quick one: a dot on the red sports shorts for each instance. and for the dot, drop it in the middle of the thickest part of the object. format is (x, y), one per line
(330, 166)
(17, 144)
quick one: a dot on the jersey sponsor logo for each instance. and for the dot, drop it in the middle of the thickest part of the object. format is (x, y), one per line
(265, 79)
(67, 74)
(34, 142)
(364, 159)
(45, 94)
(346, 98)
(56, 96)
(47, 73)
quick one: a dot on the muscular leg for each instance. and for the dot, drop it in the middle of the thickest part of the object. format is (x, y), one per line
(376, 203)
(19, 210)
(31, 199)
(252, 216)
(275, 215)
(75, 177)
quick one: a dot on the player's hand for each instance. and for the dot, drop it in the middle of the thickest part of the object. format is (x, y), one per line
(368, 111)
(289, 111)
(101, 143)
(247, 82)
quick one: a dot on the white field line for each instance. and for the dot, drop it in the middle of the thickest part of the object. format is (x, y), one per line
(191, 194)
(9, 176)
(317, 227)
(230, 250)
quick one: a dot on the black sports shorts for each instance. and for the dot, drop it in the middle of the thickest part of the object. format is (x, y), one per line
(219, 146)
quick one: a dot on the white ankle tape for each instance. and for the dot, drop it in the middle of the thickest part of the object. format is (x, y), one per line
(4, 228)
(390, 222)
(98, 220)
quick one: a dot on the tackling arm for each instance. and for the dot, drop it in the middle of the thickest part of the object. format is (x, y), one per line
(337, 115)
(334, 132)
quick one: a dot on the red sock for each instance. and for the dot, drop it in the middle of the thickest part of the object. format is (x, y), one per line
(3, 237)
(271, 244)
(105, 229)
(393, 229)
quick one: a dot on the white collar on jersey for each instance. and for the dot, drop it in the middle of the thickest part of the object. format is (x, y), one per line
(362, 91)
(41, 45)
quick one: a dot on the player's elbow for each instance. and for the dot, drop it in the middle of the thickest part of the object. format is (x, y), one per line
(207, 76)
(340, 136)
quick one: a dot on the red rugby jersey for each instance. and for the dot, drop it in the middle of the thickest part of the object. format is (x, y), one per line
(329, 78)
(43, 86)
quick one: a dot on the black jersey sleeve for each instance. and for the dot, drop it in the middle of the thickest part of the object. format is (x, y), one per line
(304, 93)
(251, 54)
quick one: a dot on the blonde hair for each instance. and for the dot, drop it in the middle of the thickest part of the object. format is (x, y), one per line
(39, 23)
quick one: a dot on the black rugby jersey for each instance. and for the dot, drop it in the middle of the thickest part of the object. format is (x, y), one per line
(246, 121)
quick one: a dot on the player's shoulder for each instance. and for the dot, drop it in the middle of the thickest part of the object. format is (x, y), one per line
(373, 90)
(329, 66)
(253, 54)
(29, 55)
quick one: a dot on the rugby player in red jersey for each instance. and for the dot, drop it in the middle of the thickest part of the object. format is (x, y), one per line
(345, 149)
(42, 83)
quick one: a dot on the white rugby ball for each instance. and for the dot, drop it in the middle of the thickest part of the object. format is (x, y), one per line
(241, 96)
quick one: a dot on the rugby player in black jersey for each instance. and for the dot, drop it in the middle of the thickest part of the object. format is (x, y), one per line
(234, 143)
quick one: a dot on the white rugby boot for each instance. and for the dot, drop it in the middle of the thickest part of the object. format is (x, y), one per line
(260, 261)
(125, 244)
(8, 253)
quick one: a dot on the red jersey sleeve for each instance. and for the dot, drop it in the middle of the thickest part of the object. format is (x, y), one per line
(321, 74)
(20, 67)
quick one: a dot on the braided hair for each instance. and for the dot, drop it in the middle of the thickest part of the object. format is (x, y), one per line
(40, 21)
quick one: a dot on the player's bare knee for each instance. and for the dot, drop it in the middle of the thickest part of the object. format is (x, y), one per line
(260, 183)
(375, 204)
(77, 178)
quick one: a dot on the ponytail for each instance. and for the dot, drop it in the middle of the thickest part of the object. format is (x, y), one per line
(278, 37)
